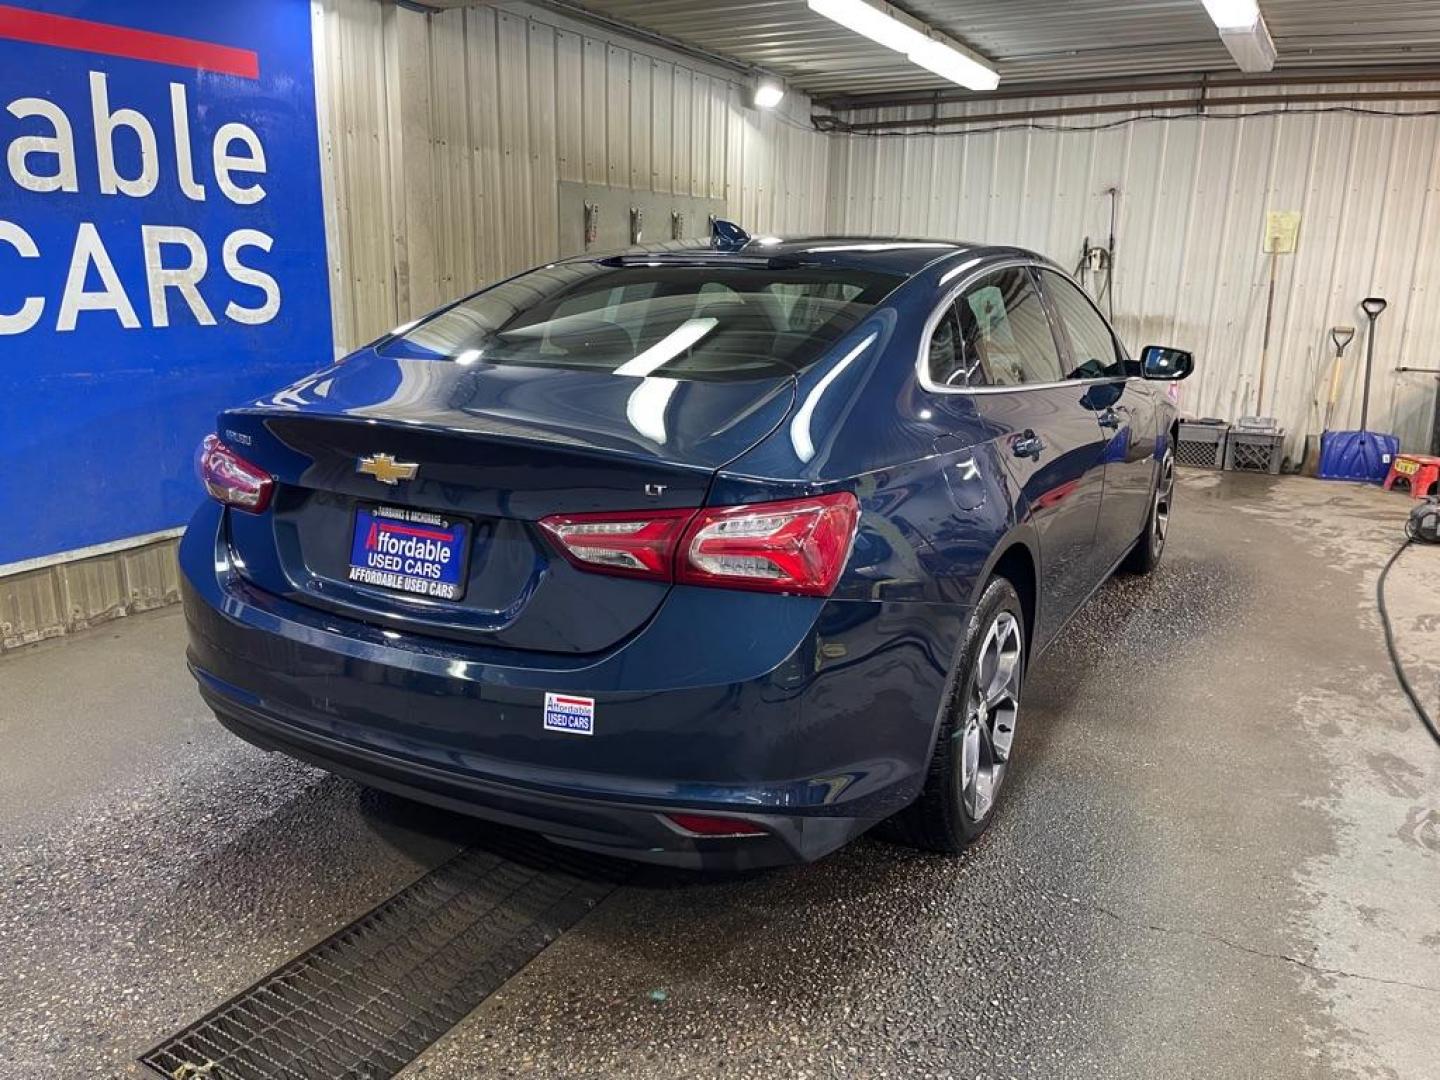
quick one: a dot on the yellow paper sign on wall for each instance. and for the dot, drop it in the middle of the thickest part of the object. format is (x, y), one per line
(1282, 230)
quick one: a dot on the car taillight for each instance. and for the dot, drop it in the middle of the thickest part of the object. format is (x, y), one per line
(797, 546)
(634, 544)
(232, 480)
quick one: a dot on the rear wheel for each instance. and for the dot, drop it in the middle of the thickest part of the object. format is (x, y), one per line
(1147, 551)
(973, 751)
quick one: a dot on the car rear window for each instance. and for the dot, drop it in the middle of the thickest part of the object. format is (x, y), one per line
(680, 321)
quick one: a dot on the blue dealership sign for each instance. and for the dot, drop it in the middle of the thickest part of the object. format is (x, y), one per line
(162, 250)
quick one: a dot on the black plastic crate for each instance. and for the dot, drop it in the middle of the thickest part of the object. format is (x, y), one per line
(1201, 443)
(1254, 451)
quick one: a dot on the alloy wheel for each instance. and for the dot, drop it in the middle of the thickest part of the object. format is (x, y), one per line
(992, 702)
(1164, 493)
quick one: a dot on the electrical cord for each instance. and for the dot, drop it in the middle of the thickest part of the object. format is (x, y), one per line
(1395, 661)
(833, 124)
(1114, 194)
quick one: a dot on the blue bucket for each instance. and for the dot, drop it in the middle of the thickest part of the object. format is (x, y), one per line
(1357, 455)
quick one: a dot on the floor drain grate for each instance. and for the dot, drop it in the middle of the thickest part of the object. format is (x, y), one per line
(367, 1000)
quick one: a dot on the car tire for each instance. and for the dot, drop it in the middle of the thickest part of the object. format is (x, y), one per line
(1145, 555)
(973, 748)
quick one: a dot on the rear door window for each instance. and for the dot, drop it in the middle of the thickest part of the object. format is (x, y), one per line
(950, 363)
(1005, 331)
(676, 320)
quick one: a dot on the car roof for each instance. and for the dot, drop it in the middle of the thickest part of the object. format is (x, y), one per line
(882, 254)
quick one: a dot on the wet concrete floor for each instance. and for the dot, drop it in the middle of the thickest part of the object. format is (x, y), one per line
(1218, 856)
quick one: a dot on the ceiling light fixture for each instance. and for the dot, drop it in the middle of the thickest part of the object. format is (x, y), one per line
(1233, 14)
(1244, 33)
(871, 22)
(884, 26)
(954, 65)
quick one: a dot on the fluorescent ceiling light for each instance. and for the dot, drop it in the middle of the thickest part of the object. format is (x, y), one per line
(1233, 14)
(1252, 49)
(921, 49)
(954, 65)
(1244, 33)
(870, 22)
(768, 92)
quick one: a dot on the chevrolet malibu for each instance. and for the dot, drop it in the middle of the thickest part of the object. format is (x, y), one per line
(713, 556)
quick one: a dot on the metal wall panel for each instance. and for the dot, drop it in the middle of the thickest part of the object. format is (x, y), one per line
(1190, 270)
(447, 135)
(54, 600)
(351, 81)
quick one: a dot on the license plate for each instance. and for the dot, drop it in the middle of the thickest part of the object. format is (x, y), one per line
(1407, 468)
(409, 551)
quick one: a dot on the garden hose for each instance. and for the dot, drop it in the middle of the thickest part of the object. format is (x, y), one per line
(1414, 534)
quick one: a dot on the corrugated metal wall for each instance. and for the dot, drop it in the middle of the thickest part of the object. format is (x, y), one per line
(1190, 267)
(60, 599)
(448, 133)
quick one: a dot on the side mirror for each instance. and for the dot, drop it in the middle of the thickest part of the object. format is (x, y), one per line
(1163, 362)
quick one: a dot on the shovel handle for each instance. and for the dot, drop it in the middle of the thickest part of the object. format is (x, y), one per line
(1335, 370)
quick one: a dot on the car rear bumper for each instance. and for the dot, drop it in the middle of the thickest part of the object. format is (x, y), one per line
(812, 719)
(631, 831)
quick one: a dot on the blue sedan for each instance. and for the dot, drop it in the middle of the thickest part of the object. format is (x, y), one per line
(704, 555)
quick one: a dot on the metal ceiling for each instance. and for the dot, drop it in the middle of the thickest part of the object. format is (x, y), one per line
(1036, 41)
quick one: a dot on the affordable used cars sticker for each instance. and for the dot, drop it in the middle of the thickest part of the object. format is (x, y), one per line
(571, 714)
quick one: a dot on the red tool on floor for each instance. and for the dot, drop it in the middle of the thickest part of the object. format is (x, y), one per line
(1419, 471)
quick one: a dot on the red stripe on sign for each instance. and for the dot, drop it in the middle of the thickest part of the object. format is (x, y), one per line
(411, 530)
(63, 32)
(572, 701)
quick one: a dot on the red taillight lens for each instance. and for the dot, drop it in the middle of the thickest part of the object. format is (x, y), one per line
(232, 480)
(634, 543)
(796, 546)
(709, 825)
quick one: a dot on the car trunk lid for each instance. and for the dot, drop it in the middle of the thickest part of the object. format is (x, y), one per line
(494, 449)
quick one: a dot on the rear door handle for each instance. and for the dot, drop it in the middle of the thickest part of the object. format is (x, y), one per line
(1027, 444)
(1110, 418)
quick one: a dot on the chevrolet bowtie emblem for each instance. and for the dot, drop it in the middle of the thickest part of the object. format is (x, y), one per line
(386, 469)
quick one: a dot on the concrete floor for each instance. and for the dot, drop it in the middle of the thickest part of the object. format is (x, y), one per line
(1218, 857)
